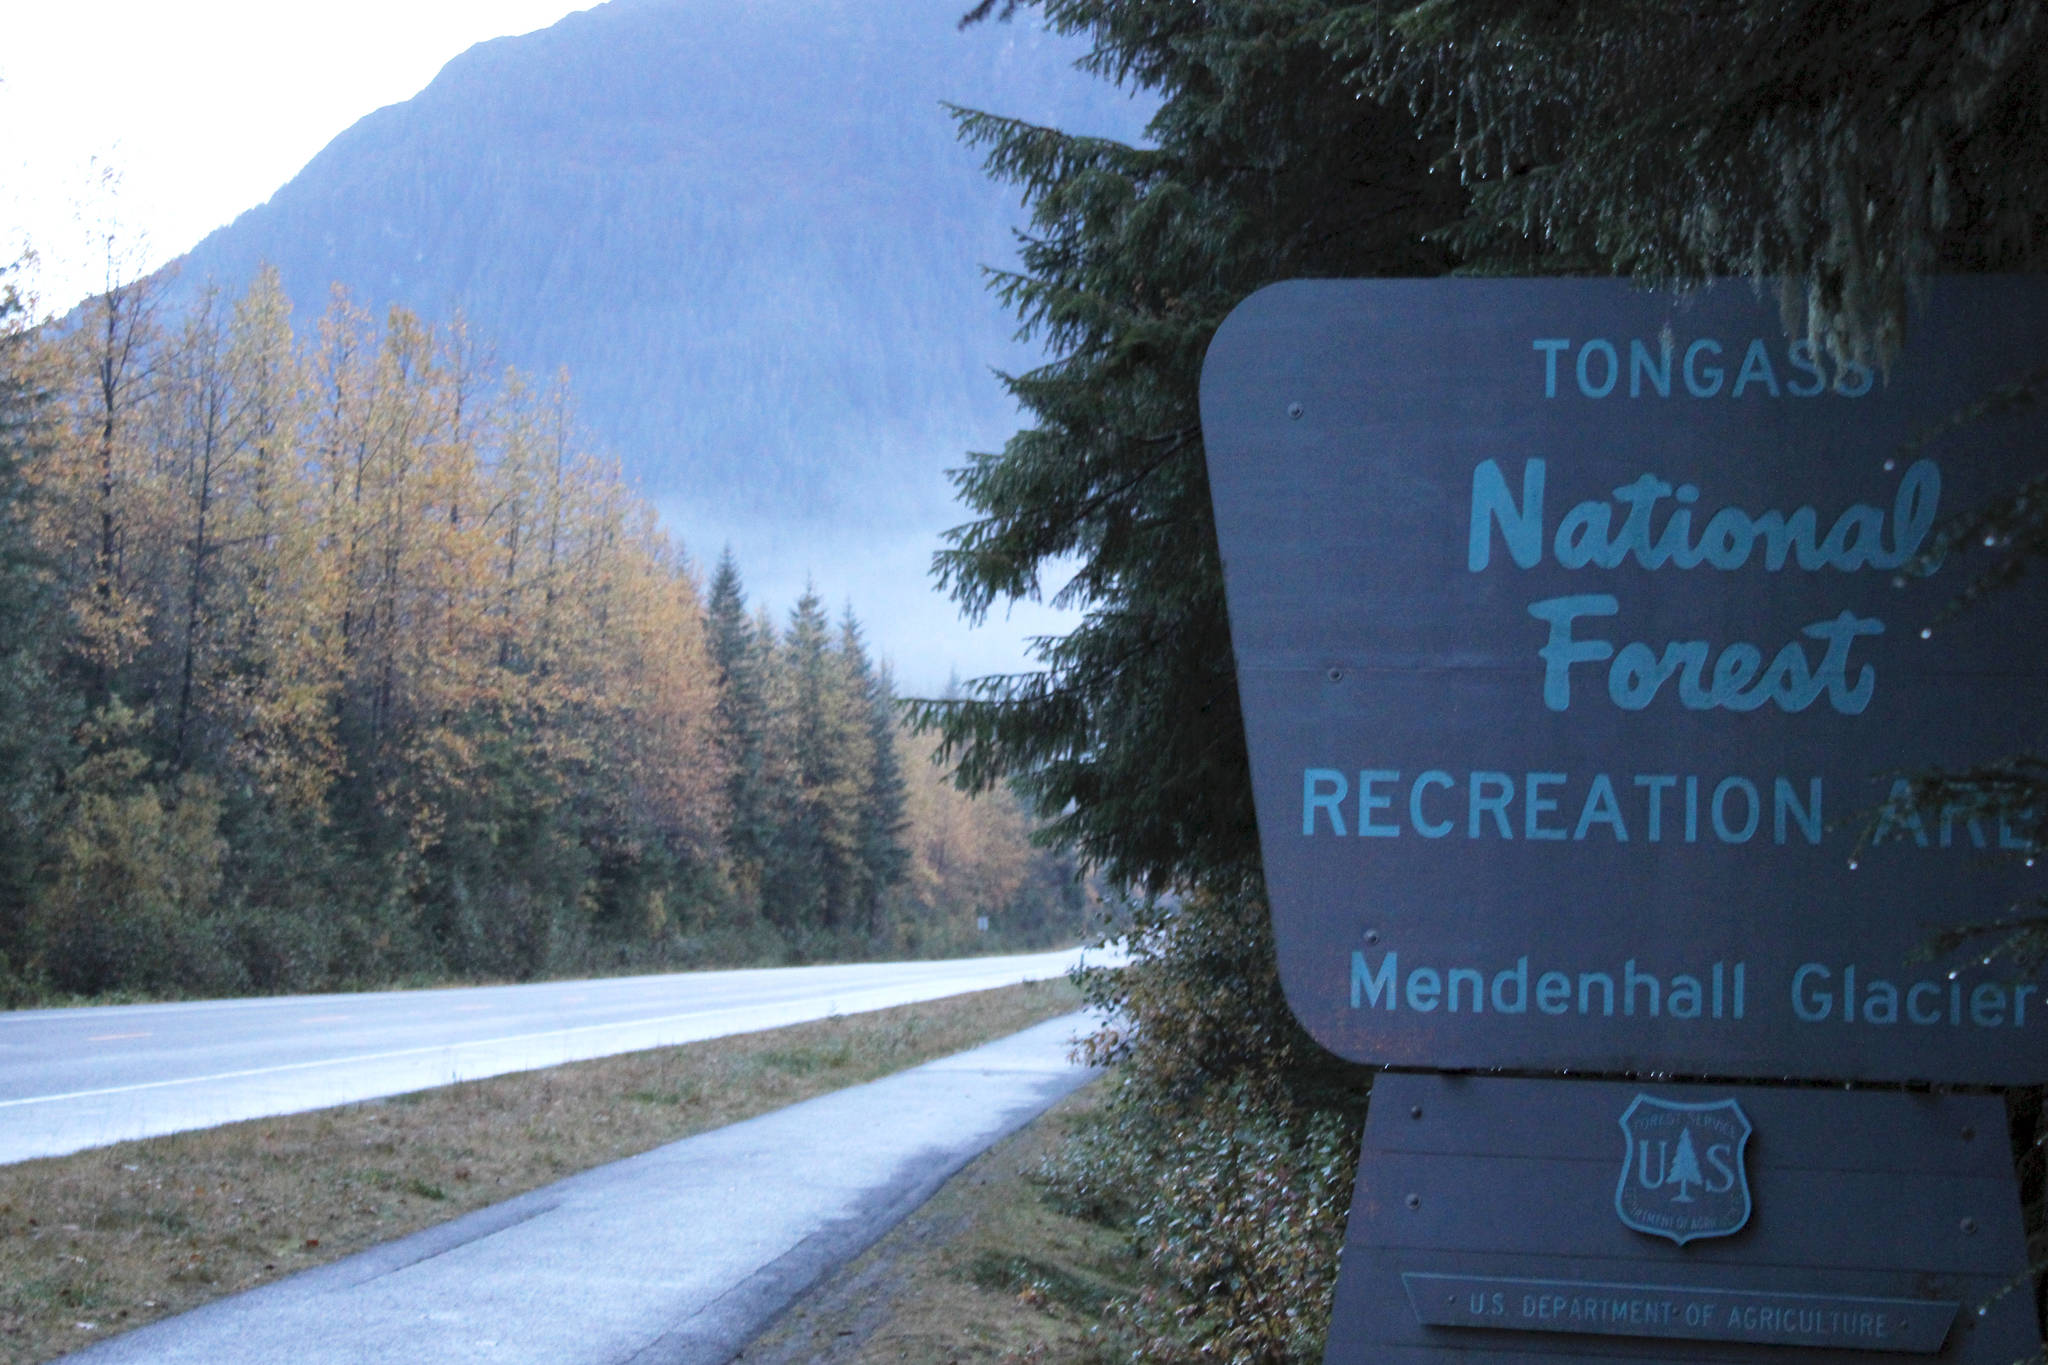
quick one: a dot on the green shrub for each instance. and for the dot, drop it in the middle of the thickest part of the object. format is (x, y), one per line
(1236, 1205)
(133, 868)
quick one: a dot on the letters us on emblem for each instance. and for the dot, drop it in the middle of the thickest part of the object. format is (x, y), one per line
(1682, 1173)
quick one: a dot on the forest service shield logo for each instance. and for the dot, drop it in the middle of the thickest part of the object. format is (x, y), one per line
(1682, 1172)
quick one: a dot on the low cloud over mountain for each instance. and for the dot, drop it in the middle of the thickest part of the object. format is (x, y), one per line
(748, 231)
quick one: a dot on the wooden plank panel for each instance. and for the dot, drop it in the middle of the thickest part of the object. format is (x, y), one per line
(1803, 1128)
(1861, 1219)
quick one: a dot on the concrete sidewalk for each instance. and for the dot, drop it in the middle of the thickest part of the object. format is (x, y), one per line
(681, 1254)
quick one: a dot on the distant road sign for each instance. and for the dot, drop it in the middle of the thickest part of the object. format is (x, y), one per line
(1579, 637)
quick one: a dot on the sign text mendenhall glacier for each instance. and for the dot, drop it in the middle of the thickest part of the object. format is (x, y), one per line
(1814, 993)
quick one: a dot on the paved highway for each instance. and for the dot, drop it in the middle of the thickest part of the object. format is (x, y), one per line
(77, 1078)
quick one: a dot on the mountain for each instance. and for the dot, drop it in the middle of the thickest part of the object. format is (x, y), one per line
(747, 230)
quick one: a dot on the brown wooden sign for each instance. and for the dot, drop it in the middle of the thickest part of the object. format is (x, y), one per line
(1584, 648)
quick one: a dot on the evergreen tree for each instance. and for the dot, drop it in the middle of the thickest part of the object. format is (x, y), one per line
(883, 859)
(1128, 742)
(736, 651)
(1267, 167)
(1845, 150)
(780, 811)
(818, 852)
(1838, 152)
(1685, 1167)
(793, 892)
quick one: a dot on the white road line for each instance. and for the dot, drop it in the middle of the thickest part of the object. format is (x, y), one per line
(355, 1057)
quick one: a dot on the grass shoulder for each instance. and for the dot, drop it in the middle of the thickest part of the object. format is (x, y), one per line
(990, 1269)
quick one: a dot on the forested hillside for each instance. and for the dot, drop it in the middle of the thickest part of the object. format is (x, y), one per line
(342, 661)
(748, 230)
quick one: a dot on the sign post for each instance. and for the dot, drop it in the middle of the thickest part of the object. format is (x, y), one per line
(1586, 638)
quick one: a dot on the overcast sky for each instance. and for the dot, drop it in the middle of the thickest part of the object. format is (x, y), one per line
(202, 108)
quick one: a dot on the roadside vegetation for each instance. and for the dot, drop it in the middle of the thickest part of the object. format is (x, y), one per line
(1040, 1251)
(333, 659)
(1834, 155)
(987, 1270)
(106, 1240)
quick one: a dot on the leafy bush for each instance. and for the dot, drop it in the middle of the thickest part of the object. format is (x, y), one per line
(1236, 1204)
(133, 867)
(1200, 980)
(1228, 1151)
